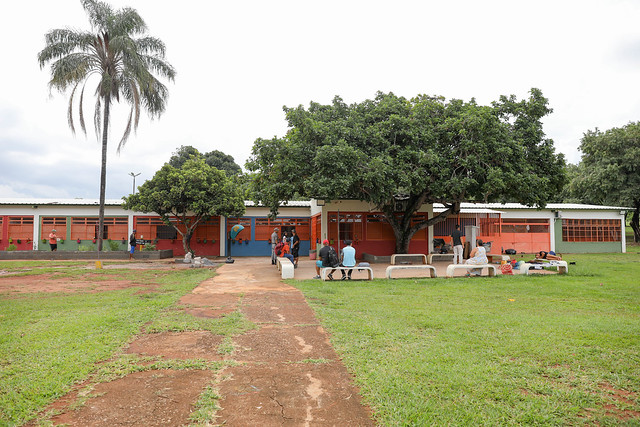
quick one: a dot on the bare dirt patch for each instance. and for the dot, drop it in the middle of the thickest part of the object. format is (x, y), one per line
(47, 283)
(178, 345)
(151, 398)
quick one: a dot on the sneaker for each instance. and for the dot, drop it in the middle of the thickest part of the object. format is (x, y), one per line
(295, 265)
(330, 277)
(316, 277)
(349, 278)
(344, 278)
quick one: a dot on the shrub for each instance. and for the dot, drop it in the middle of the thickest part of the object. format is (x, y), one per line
(12, 247)
(149, 247)
(85, 248)
(113, 246)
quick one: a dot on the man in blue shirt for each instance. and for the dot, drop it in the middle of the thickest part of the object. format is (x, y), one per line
(348, 256)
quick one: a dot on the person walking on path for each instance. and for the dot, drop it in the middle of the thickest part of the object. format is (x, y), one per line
(274, 242)
(53, 240)
(457, 245)
(132, 243)
(348, 256)
(295, 248)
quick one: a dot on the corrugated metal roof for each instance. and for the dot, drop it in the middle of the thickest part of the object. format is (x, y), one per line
(113, 202)
(549, 206)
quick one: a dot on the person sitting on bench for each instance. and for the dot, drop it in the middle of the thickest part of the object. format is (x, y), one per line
(478, 256)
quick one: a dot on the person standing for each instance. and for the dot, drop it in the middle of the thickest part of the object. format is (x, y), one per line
(132, 243)
(295, 247)
(53, 240)
(348, 256)
(457, 245)
(274, 242)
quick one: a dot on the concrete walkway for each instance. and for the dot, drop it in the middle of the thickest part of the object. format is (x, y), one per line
(287, 372)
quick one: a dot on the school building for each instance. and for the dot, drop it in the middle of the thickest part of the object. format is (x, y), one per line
(25, 224)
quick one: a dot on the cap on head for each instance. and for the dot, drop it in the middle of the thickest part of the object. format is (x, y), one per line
(325, 242)
(275, 229)
(134, 230)
(53, 230)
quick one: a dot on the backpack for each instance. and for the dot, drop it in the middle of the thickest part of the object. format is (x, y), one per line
(279, 247)
(510, 251)
(332, 257)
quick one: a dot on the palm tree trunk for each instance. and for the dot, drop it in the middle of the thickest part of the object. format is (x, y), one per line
(103, 170)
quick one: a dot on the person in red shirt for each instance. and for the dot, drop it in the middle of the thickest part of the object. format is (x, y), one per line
(53, 240)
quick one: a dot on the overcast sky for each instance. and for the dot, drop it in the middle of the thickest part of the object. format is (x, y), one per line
(239, 62)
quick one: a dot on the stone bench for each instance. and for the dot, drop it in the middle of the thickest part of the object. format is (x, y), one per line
(451, 268)
(326, 270)
(561, 266)
(395, 257)
(285, 267)
(439, 257)
(431, 269)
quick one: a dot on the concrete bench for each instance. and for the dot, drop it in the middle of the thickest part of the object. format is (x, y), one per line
(394, 257)
(326, 270)
(561, 266)
(439, 257)
(453, 267)
(285, 267)
(431, 269)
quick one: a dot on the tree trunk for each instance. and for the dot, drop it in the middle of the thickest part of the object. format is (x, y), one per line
(103, 171)
(635, 223)
(186, 241)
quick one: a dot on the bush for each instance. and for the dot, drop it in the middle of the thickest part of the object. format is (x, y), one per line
(149, 247)
(85, 248)
(12, 247)
(112, 246)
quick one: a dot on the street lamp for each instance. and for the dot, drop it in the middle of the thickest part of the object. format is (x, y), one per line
(134, 180)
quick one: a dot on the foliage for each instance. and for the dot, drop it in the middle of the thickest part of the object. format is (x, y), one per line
(85, 248)
(399, 154)
(11, 247)
(113, 245)
(185, 197)
(510, 350)
(149, 247)
(122, 58)
(609, 172)
(218, 160)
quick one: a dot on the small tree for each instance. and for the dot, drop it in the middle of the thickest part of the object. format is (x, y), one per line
(188, 195)
(609, 172)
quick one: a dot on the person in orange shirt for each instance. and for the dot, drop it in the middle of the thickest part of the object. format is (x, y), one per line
(286, 252)
(53, 240)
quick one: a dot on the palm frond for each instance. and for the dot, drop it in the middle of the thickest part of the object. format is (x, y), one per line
(99, 13)
(81, 111)
(97, 117)
(127, 131)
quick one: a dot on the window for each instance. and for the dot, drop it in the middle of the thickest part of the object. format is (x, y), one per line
(378, 228)
(49, 223)
(86, 228)
(525, 225)
(591, 230)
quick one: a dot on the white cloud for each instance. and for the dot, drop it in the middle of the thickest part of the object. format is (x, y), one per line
(238, 63)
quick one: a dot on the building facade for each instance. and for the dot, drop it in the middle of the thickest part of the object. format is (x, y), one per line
(563, 228)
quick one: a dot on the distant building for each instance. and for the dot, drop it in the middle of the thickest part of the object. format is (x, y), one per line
(564, 228)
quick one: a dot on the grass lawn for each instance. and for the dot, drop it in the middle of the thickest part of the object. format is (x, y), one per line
(511, 350)
(50, 341)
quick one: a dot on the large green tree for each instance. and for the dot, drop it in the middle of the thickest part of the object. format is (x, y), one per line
(399, 154)
(215, 158)
(609, 172)
(185, 197)
(124, 62)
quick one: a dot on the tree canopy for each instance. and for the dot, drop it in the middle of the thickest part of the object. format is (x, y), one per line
(215, 158)
(123, 60)
(414, 151)
(185, 197)
(609, 172)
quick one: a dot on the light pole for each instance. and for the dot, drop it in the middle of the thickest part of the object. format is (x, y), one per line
(134, 180)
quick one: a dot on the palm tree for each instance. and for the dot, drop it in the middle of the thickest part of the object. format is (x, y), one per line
(122, 58)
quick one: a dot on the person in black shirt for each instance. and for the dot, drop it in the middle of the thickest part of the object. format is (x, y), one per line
(457, 245)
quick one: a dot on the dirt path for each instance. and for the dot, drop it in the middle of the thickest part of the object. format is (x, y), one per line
(286, 373)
